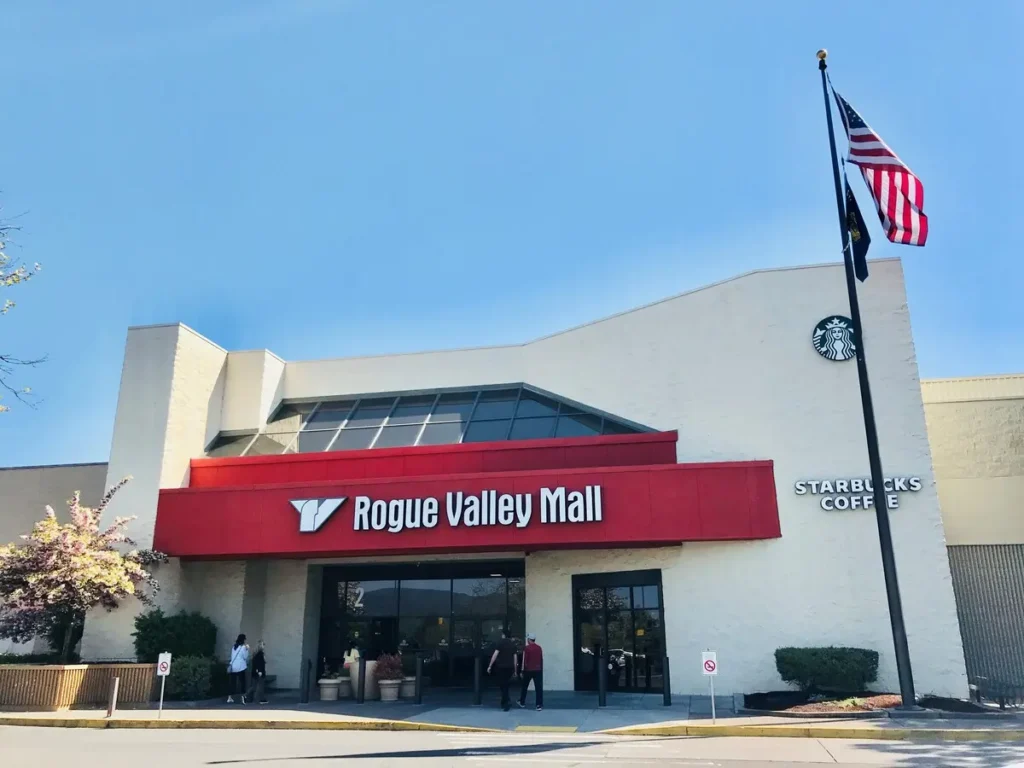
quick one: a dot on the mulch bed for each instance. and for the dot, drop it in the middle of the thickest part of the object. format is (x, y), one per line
(797, 702)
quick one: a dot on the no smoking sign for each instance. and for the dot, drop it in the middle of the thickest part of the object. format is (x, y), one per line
(709, 663)
(163, 665)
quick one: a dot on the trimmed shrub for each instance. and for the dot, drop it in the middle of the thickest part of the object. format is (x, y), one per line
(847, 670)
(34, 658)
(220, 683)
(183, 634)
(189, 679)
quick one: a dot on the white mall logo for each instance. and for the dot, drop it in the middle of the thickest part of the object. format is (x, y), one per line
(487, 508)
(313, 513)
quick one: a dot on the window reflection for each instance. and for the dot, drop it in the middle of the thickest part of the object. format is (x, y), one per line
(591, 599)
(329, 416)
(372, 598)
(426, 633)
(426, 597)
(479, 597)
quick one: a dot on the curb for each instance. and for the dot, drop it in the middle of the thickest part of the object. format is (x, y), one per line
(236, 725)
(824, 732)
(778, 731)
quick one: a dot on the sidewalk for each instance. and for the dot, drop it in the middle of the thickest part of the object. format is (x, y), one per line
(564, 712)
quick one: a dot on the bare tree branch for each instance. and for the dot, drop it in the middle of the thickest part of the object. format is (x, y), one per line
(13, 273)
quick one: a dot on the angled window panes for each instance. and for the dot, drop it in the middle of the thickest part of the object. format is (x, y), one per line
(578, 425)
(487, 431)
(371, 412)
(412, 410)
(230, 445)
(444, 433)
(431, 418)
(454, 407)
(496, 404)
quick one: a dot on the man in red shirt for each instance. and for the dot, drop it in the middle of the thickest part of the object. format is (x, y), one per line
(533, 669)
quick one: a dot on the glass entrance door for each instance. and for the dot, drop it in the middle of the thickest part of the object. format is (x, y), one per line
(625, 623)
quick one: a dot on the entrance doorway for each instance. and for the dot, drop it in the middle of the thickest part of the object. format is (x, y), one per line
(622, 616)
(447, 613)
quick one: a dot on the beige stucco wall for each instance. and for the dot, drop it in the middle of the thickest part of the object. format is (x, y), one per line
(168, 410)
(976, 431)
(25, 492)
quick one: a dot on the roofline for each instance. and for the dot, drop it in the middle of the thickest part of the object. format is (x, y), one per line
(606, 318)
(455, 350)
(964, 379)
(191, 330)
(58, 466)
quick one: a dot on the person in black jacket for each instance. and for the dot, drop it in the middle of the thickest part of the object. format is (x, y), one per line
(259, 675)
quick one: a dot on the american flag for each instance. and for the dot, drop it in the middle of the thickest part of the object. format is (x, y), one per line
(897, 192)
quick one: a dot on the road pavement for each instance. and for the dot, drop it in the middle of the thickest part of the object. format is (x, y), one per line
(82, 748)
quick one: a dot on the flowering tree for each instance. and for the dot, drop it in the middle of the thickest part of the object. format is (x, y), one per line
(62, 570)
(11, 274)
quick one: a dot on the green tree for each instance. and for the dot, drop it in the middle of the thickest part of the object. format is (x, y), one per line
(12, 274)
(60, 571)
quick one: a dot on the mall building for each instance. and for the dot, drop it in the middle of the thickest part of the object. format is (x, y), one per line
(685, 476)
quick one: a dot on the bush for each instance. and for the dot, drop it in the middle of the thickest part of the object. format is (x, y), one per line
(184, 634)
(220, 682)
(190, 678)
(35, 658)
(389, 667)
(848, 670)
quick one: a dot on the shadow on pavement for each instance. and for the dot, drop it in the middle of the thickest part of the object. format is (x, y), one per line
(512, 749)
(1005, 754)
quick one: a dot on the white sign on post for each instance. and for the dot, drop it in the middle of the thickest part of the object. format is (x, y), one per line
(163, 665)
(709, 662)
(163, 669)
(709, 666)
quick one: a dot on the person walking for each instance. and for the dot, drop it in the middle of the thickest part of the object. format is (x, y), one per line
(236, 668)
(533, 669)
(258, 685)
(504, 661)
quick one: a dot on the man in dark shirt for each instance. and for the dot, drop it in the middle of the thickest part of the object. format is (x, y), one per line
(505, 666)
(533, 669)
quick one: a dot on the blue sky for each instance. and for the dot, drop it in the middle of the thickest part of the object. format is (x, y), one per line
(326, 178)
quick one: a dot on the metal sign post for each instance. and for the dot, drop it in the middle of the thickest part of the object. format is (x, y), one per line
(709, 666)
(163, 669)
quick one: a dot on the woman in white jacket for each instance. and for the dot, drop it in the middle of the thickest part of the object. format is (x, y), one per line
(236, 668)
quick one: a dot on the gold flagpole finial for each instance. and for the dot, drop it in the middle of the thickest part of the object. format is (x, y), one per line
(822, 54)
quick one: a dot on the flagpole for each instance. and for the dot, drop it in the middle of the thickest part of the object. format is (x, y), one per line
(892, 587)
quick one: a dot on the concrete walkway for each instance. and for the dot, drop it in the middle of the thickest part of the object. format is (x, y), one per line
(564, 712)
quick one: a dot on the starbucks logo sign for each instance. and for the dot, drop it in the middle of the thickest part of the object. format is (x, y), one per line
(833, 338)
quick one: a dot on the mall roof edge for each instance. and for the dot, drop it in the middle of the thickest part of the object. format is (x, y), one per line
(56, 466)
(741, 276)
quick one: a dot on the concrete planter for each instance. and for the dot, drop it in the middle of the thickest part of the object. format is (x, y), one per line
(329, 689)
(345, 688)
(371, 680)
(408, 689)
(389, 689)
(55, 687)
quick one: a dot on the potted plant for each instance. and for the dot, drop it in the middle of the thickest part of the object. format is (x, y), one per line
(388, 672)
(329, 684)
